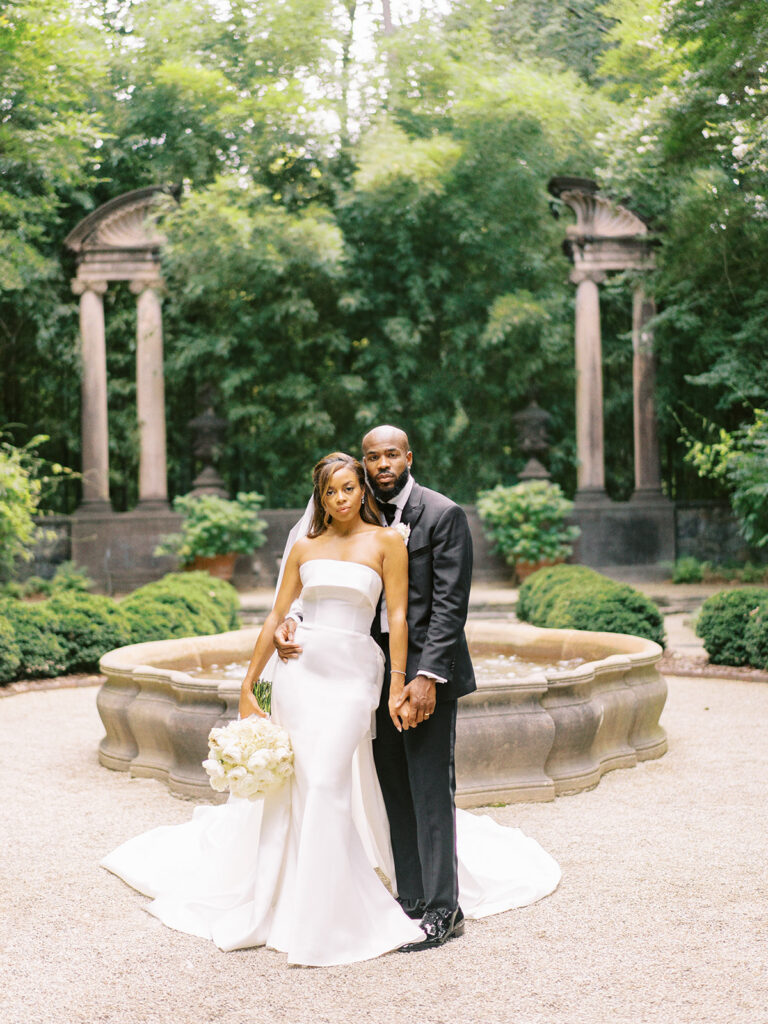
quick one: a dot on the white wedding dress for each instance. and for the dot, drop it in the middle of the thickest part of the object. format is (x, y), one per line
(296, 870)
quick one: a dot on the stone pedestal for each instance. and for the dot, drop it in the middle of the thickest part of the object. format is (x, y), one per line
(95, 429)
(118, 548)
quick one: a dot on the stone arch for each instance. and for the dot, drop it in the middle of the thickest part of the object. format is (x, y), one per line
(608, 237)
(120, 242)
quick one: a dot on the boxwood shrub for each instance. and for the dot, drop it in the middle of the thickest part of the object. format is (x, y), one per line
(756, 636)
(73, 629)
(10, 654)
(575, 597)
(725, 626)
(88, 626)
(181, 604)
(34, 625)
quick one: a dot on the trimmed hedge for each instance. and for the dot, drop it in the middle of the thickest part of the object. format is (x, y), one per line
(733, 626)
(35, 630)
(88, 625)
(181, 604)
(756, 637)
(575, 597)
(10, 652)
(71, 631)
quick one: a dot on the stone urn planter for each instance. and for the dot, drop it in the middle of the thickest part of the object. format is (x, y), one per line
(525, 569)
(220, 566)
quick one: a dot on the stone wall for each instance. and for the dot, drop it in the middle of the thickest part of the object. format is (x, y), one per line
(117, 549)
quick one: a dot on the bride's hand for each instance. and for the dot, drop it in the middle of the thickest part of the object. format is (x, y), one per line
(399, 709)
(250, 706)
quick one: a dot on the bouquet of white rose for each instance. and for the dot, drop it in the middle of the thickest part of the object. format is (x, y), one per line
(249, 757)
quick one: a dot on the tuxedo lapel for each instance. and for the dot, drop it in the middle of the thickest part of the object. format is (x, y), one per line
(414, 506)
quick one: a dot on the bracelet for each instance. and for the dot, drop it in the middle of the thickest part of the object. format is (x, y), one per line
(397, 672)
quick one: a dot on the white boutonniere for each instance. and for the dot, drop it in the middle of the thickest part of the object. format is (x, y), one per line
(404, 530)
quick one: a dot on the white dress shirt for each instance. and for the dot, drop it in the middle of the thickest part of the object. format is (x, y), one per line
(399, 501)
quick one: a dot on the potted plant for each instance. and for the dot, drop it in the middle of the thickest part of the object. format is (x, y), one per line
(214, 531)
(527, 524)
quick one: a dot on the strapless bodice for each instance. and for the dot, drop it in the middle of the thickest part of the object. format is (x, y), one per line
(338, 594)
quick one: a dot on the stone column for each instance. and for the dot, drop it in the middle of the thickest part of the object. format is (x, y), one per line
(647, 464)
(150, 395)
(93, 415)
(589, 386)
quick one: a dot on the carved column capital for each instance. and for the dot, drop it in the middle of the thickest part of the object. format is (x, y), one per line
(80, 286)
(580, 274)
(141, 285)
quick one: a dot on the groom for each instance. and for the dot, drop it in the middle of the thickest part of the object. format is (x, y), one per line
(416, 765)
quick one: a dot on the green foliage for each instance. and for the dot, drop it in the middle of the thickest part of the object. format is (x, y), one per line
(34, 627)
(756, 636)
(369, 239)
(262, 691)
(538, 592)
(528, 522)
(215, 526)
(19, 499)
(573, 597)
(741, 460)
(10, 653)
(687, 570)
(723, 623)
(181, 604)
(71, 631)
(70, 576)
(87, 626)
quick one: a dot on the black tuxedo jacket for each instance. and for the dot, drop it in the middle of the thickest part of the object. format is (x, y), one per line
(439, 577)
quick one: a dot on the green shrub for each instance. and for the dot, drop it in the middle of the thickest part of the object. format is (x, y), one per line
(219, 591)
(215, 526)
(181, 604)
(575, 597)
(34, 627)
(35, 586)
(687, 570)
(756, 637)
(723, 621)
(751, 573)
(10, 654)
(88, 626)
(527, 522)
(539, 591)
(152, 620)
(69, 576)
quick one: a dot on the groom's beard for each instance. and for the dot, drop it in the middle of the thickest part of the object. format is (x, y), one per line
(394, 490)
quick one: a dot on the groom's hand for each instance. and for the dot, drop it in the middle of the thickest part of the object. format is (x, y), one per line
(285, 645)
(421, 694)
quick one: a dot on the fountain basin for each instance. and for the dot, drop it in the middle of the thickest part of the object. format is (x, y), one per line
(548, 733)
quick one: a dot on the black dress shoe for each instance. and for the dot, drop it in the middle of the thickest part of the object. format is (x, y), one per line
(438, 925)
(415, 909)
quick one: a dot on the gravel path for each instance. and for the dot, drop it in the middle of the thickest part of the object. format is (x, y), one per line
(660, 918)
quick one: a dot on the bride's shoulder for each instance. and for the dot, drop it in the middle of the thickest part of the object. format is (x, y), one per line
(302, 548)
(391, 540)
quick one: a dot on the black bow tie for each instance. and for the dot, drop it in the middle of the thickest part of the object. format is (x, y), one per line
(389, 512)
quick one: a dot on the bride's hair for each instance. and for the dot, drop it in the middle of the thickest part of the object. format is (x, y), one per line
(321, 477)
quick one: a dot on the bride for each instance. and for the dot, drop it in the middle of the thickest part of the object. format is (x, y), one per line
(295, 870)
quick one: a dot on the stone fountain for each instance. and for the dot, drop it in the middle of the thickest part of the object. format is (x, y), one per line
(552, 732)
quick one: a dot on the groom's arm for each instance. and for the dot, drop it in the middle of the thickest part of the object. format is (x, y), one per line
(283, 638)
(451, 580)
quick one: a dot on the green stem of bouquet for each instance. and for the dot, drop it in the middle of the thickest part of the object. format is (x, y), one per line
(262, 691)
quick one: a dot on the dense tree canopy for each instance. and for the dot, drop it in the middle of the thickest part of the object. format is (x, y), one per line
(364, 230)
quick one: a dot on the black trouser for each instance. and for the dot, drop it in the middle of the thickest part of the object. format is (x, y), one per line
(418, 780)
